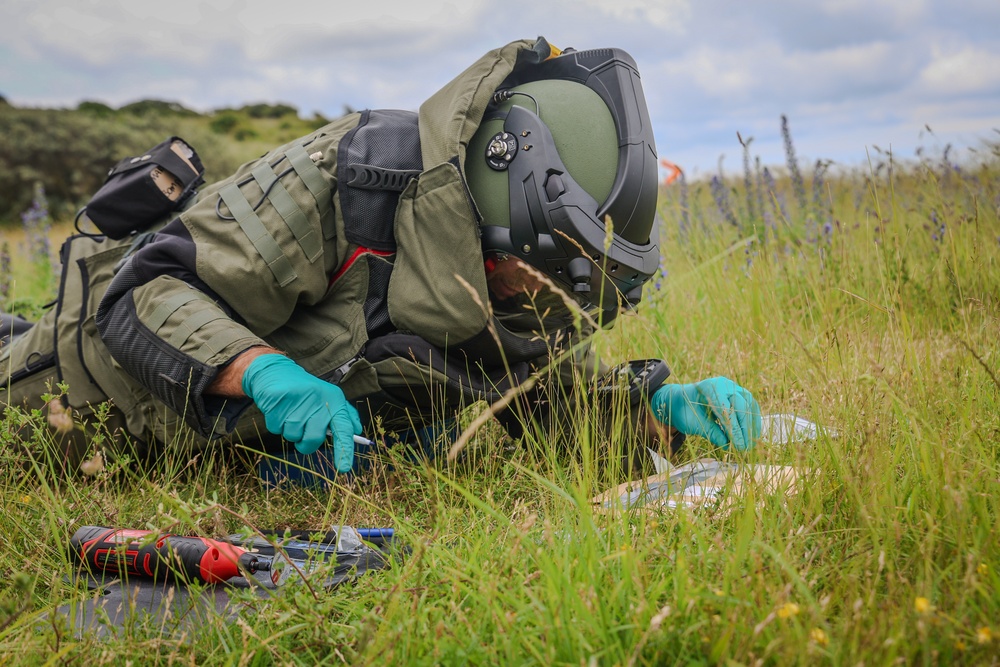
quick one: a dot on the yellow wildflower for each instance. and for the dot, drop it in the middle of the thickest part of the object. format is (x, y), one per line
(984, 635)
(818, 636)
(959, 645)
(983, 569)
(922, 605)
(788, 610)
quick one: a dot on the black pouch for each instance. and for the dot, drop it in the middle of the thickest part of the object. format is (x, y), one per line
(141, 190)
(12, 326)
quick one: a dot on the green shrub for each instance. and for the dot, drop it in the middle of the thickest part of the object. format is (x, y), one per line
(245, 134)
(223, 123)
(269, 110)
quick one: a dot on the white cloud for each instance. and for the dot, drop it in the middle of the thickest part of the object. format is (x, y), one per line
(969, 70)
(846, 72)
(190, 31)
(375, 31)
(670, 15)
(101, 34)
(764, 70)
(897, 11)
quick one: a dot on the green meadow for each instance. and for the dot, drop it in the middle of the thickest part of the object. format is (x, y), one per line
(864, 299)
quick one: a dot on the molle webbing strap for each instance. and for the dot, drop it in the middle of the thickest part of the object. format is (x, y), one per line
(168, 308)
(317, 185)
(261, 239)
(191, 325)
(220, 341)
(289, 211)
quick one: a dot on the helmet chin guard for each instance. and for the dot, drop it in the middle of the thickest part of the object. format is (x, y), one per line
(601, 252)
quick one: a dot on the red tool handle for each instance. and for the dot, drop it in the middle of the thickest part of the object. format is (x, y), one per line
(170, 557)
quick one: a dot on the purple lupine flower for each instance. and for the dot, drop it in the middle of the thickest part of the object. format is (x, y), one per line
(793, 164)
(721, 196)
(747, 180)
(749, 253)
(819, 184)
(5, 271)
(37, 224)
(661, 276)
(937, 225)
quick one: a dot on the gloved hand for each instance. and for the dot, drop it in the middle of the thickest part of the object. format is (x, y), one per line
(717, 409)
(302, 408)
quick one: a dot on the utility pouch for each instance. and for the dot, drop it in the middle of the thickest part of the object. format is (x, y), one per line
(143, 189)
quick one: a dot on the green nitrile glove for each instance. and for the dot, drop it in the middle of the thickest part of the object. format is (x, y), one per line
(302, 408)
(717, 409)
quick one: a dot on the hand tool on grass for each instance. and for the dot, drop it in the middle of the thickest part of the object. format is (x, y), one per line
(144, 553)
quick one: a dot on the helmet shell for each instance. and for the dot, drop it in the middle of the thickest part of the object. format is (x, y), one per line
(563, 172)
(584, 134)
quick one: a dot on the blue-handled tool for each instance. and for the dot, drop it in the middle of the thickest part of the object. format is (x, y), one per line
(376, 533)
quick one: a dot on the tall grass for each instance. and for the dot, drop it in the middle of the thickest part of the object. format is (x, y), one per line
(868, 305)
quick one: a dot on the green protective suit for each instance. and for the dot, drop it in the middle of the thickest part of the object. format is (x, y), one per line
(395, 310)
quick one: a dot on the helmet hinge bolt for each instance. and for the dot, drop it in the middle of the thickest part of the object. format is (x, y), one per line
(526, 248)
(501, 150)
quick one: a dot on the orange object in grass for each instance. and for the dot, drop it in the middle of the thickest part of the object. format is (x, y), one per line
(674, 171)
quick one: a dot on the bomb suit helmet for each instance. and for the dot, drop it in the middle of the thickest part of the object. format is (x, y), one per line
(563, 171)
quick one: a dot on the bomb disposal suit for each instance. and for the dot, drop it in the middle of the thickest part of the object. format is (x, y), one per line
(357, 251)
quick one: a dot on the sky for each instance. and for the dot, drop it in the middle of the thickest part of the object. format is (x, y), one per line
(855, 78)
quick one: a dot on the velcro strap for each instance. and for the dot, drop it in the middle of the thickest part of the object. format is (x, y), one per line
(168, 308)
(317, 185)
(289, 211)
(163, 156)
(176, 166)
(191, 324)
(261, 239)
(370, 177)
